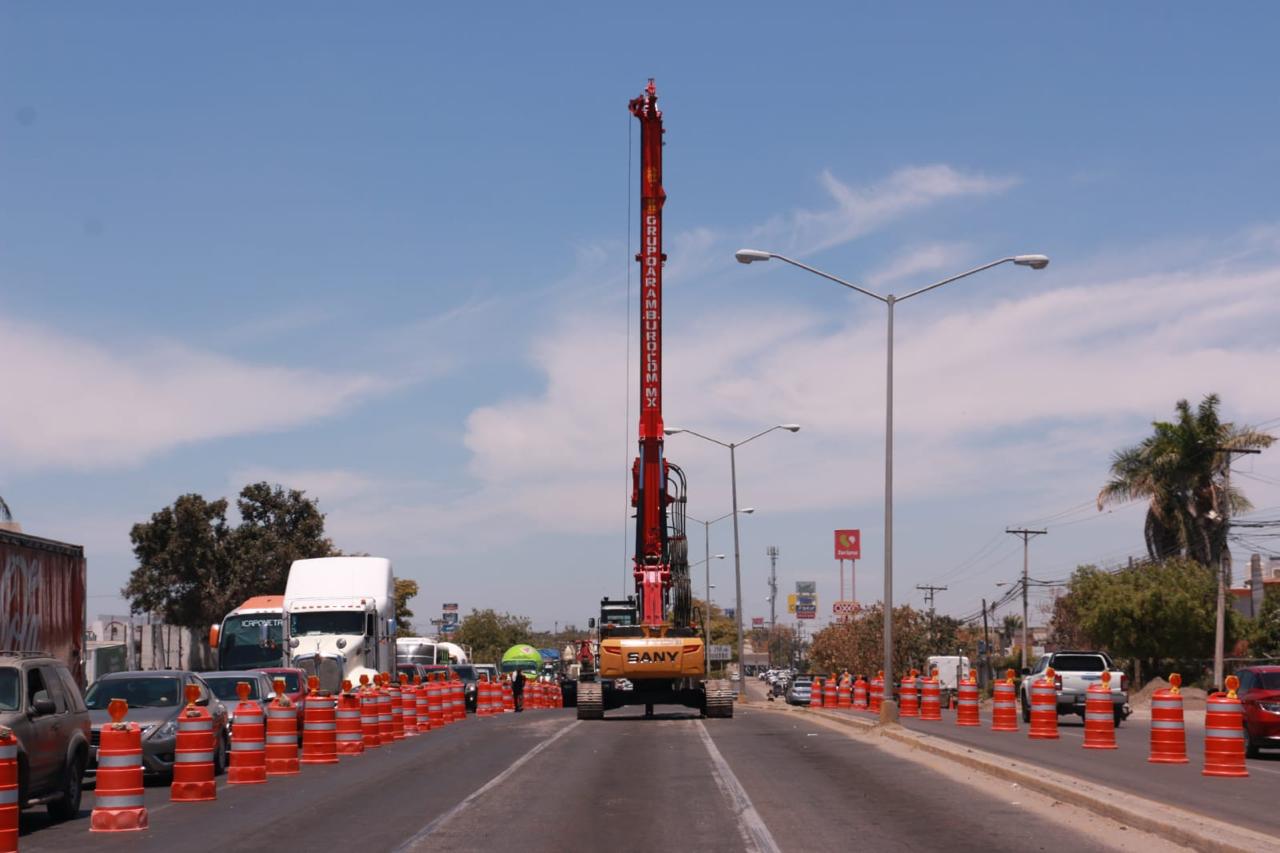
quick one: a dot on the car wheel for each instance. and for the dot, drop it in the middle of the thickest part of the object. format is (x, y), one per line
(220, 756)
(1250, 748)
(1119, 717)
(67, 806)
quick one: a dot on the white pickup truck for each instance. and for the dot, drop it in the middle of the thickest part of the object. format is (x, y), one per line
(1074, 672)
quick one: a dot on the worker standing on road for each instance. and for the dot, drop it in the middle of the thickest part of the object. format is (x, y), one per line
(517, 690)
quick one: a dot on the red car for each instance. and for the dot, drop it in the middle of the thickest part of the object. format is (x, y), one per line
(295, 681)
(1260, 692)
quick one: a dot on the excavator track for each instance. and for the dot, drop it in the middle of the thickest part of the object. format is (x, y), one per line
(590, 700)
(719, 701)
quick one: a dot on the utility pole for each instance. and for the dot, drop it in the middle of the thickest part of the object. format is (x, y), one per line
(929, 592)
(773, 553)
(986, 641)
(1224, 567)
(1026, 535)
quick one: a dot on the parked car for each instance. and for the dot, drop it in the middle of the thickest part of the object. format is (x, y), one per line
(1260, 692)
(155, 697)
(799, 693)
(1074, 672)
(224, 686)
(41, 703)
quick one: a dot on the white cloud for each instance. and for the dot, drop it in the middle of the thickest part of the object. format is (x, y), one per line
(919, 260)
(79, 404)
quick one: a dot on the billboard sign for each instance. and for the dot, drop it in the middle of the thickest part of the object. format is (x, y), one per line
(791, 603)
(450, 618)
(757, 621)
(451, 607)
(844, 607)
(717, 652)
(729, 612)
(806, 587)
(806, 611)
(848, 544)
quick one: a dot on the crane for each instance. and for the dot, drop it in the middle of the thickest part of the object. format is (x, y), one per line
(651, 651)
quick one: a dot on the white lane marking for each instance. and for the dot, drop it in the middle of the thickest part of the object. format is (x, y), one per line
(755, 835)
(426, 831)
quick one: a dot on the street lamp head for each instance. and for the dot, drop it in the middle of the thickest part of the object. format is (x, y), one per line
(672, 431)
(746, 256)
(791, 427)
(1036, 262)
(747, 510)
(719, 556)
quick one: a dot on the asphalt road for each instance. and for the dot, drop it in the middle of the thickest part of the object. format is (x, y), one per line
(1245, 802)
(542, 781)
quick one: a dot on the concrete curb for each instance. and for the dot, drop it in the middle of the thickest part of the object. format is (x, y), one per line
(1169, 822)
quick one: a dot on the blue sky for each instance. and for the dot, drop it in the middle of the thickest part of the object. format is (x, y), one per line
(381, 255)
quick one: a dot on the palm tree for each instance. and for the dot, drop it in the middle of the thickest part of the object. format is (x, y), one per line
(5, 514)
(1180, 470)
(1009, 628)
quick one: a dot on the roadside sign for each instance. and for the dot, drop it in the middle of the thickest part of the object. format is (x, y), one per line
(448, 627)
(806, 587)
(840, 607)
(729, 612)
(791, 602)
(716, 652)
(450, 618)
(848, 544)
(806, 611)
(451, 607)
(757, 621)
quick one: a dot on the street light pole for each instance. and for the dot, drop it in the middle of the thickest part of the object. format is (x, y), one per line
(737, 551)
(889, 708)
(706, 539)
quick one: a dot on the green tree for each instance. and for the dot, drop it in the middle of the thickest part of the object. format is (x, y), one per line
(5, 514)
(1180, 471)
(858, 645)
(1264, 630)
(405, 590)
(489, 633)
(193, 568)
(1011, 629)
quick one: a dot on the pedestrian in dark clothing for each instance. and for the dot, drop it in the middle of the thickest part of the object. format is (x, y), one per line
(517, 690)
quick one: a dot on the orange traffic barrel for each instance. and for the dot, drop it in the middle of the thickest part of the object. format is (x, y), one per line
(860, 694)
(843, 694)
(397, 706)
(1099, 716)
(459, 698)
(409, 701)
(1168, 727)
(908, 699)
(1044, 707)
(508, 698)
(1224, 733)
(9, 788)
(815, 693)
(1004, 705)
(118, 795)
(931, 698)
(282, 734)
(349, 737)
(248, 742)
(369, 726)
(876, 695)
(482, 698)
(319, 726)
(421, 705)
(435, 703)
(386, 715)
(830, 694)
(193, 757)
(967, 700)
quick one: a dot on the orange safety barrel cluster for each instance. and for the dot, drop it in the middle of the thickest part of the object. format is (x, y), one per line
(931, 698)
(421, 705)
(319, 726)
(908, 698)
(1099, 716)
(282, 734)
(118, 794)
(409, 700)
(193, 758)
(815, 693)
(1004, 705)
(844, 694)
(1168, 726)
(1224, 733)
(860, 694)
(830, 695)
(369, 726)
(877, 692)
(248, 742)
(349, 733)
(967, 700)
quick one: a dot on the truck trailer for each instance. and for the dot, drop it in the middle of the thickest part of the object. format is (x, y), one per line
(42, 593)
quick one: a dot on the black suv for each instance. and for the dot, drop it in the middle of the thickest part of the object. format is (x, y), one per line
(41, 702)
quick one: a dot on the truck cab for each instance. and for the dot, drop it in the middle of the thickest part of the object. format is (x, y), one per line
(339, 618)
(252, 635)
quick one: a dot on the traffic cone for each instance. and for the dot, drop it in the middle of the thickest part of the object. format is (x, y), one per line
(193, 758)
(1044, 707)
(282, 734)
(248, 742)
(319, 726)
(1004, 705)
(1224, 733)
(118, 795)
(9, 808)
(1168, 727)
(967, 701)
(369, 725)
(1099, 716)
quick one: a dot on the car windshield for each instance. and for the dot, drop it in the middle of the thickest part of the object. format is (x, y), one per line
(326, 622)
(145, 692)
(1269, 680)
(1079, 663)
(8, 689)
(466, 673)
(224, 687)
(292, 683)
(251, 641)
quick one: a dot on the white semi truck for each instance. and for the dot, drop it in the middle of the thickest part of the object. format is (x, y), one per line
(339, 618)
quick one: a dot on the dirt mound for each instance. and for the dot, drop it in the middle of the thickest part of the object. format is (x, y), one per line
(1192, 697)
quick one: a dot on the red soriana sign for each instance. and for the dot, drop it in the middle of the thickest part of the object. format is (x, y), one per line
(42, 598)
(757, 621)
(848, 544)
